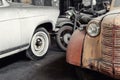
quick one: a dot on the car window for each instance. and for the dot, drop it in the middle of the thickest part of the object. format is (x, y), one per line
(117, 3)
(1, 3)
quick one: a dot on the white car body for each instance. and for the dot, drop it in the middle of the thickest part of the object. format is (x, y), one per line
(18, 23)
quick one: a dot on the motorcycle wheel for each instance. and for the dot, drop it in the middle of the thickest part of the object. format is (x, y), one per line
(63, 36)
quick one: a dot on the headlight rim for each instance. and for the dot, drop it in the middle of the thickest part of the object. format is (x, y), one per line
(94, 22)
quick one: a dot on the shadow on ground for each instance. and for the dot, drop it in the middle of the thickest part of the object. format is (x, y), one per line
(52, 67)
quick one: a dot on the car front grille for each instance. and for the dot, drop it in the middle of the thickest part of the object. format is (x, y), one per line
(110, 43)
(110, 48)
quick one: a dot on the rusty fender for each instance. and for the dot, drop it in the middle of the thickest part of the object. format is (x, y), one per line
(75, 46)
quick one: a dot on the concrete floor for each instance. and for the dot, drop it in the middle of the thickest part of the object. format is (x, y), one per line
(51, 67)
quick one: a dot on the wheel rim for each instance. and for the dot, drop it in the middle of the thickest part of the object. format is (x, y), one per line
(65, 37)
(40, 43)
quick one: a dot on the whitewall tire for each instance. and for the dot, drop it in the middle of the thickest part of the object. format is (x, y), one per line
(39, 44)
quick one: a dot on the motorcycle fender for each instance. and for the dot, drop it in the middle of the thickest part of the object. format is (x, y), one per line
(74, 49)
(61, 23)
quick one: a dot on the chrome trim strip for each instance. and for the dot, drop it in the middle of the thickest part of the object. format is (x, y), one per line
(12, 49)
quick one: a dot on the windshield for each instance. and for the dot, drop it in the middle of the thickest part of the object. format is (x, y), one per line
(117, 3)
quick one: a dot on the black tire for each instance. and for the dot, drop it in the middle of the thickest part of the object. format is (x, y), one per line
(63, 36)
(39, 44)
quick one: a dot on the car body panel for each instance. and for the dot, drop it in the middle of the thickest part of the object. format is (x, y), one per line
(35, 20)
(113, 5)
(10, 29)
(91, 51)
(75, 51)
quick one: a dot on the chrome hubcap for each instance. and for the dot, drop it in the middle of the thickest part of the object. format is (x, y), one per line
(38, 43)
(66, 38)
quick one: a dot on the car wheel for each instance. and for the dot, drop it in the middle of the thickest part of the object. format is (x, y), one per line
(63, 36)
(39, 44)
(85, 74)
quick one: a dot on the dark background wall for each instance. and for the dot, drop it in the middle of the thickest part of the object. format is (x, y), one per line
(63, 4)
(42, 2)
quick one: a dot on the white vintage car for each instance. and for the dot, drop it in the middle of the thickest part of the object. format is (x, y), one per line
(25, 27)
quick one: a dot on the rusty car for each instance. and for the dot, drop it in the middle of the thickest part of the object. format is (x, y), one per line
(97, 47)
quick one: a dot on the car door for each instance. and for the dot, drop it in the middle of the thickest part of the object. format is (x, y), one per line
(9, 30)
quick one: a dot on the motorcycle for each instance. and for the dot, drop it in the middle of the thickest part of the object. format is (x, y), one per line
(74, 19)
(69, 23)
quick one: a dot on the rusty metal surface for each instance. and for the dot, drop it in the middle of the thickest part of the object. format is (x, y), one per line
(106, 68)
(117, 71)
(75, 46)
(91, 52)
(110, 46)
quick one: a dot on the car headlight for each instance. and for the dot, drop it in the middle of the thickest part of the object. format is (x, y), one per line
(93, 29)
